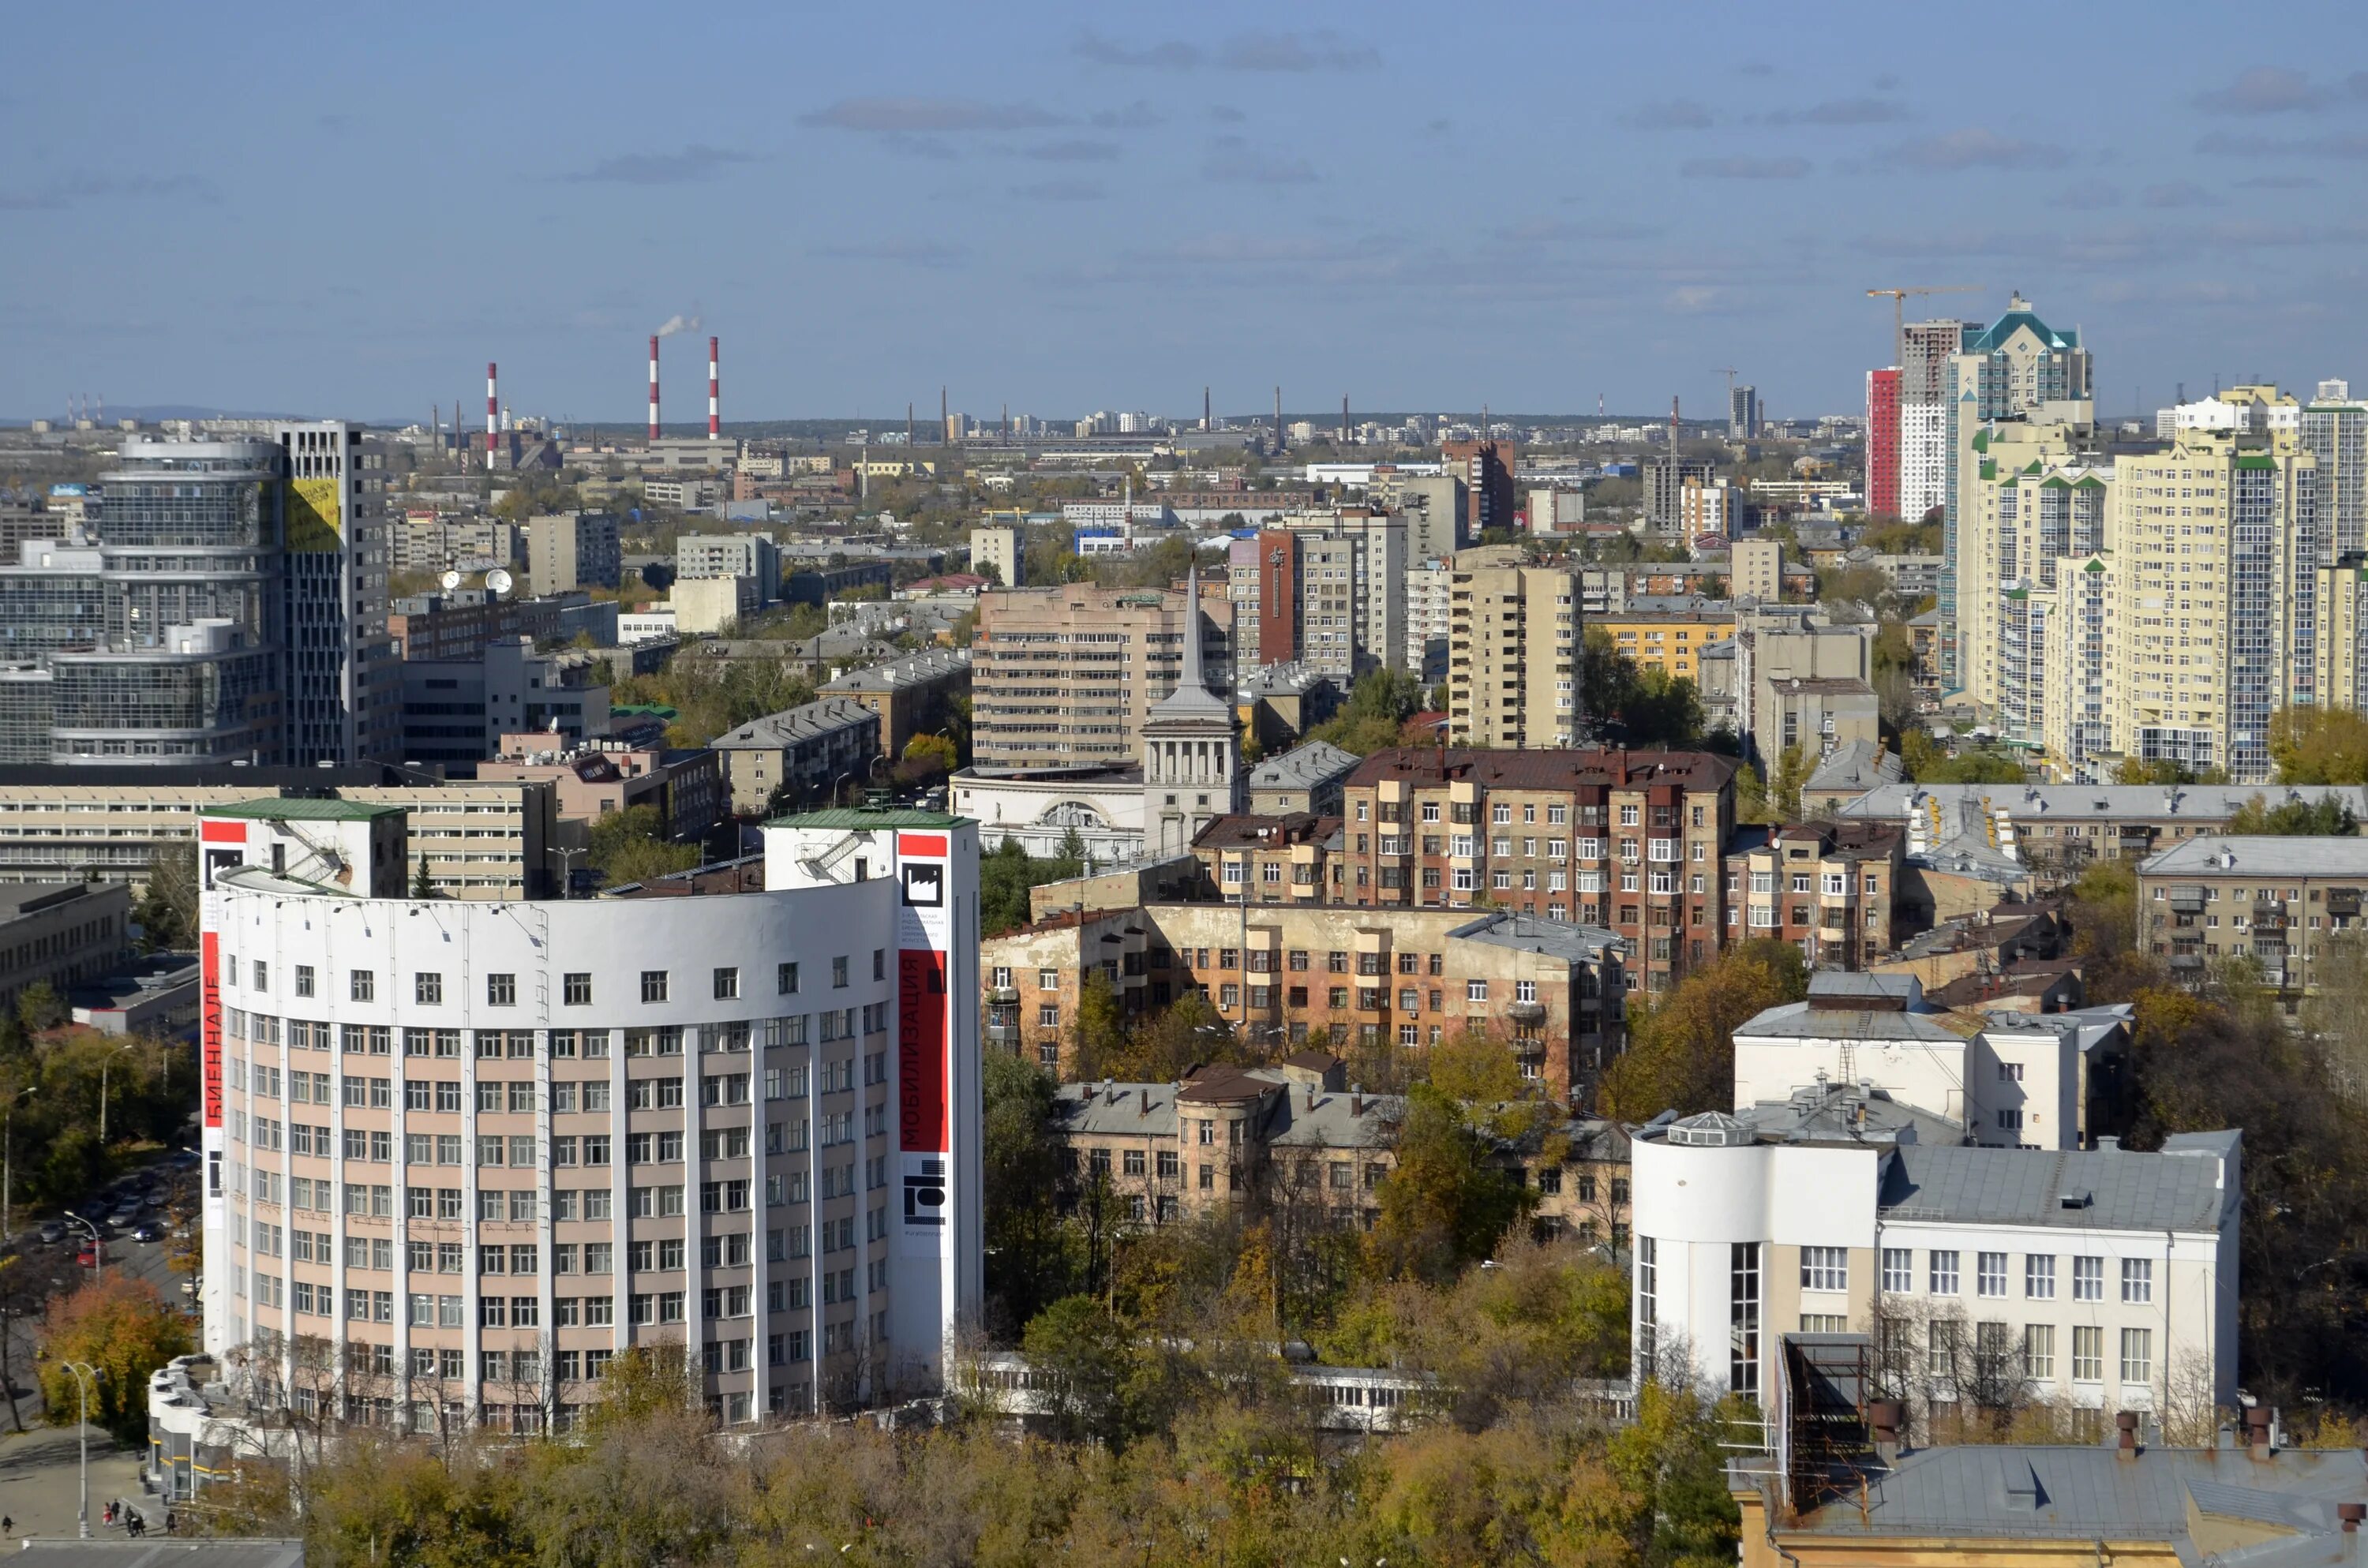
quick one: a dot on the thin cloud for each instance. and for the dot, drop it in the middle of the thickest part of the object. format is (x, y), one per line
(1233, 161)
(2091, 198)
(2343, 144)
(1136, 116)
(1060, 190)
(1756, 68)
(1323, 50)
(2179, 193)
(927, 116)
(911, 252)
(1744, 167)
(1667, 114)
(1226, 113)
(695, 162)
(2275, 89)
(1842, 111)
(1975, 147)
(61, 194)
(1076, 150)
(1173, 54)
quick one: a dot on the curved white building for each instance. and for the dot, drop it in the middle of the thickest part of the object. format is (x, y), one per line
(460, 1154)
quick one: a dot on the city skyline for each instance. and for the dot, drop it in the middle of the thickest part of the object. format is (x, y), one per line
(1336, 205)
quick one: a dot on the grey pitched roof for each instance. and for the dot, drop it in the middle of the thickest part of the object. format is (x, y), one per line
(1841, 1113)
(2182, 1189)
(2263, 855)
(2085, 803)
(1859, 765)
(908, 669)
(1798, 1020)
(1557, 939)
(794, 724)
(2092, 1493)
(1317, 762)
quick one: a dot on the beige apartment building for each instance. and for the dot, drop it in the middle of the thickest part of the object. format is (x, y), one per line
(1512, 656)
(1064, 678)
(482, 840)
(1297, 1135)
(1284, 976)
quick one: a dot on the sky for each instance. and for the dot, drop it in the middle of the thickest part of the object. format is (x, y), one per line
(347, 211)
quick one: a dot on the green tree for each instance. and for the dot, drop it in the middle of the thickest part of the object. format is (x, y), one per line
(1378, 704)
(1444, 1205)
(1792, 770)
(423, 881)
(39, 1007)
(629, 846)
(1082, 1358)
(167, 910)
(120, 1325)
(1681, 1052)
(1098, 1035)
(2319, 746)
(2324, 818)
(932, 754)
(1028, 1261)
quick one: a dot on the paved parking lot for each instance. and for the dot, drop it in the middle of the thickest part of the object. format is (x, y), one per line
(41, 1483)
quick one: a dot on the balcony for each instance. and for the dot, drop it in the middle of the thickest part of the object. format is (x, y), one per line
(1526, 1014)
(1005, 1035)
(1005, 995)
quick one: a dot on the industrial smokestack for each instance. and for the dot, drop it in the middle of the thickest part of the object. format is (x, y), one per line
(1344, 419)
(493, 411)
(714, 402)
(1277, 419)
(1204, 410)
(653, 388)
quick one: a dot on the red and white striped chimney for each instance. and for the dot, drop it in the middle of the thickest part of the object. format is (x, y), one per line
(653, 387)
(493, 412)
(714, 406)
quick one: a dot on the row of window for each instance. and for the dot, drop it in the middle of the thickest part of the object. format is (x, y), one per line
(502, 988)
(1828, 1268)
(1500, 813)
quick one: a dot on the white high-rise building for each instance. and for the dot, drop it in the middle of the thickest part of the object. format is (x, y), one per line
(344, 693)
(459, 1155)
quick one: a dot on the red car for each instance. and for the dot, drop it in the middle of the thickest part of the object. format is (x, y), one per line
(88, 1256)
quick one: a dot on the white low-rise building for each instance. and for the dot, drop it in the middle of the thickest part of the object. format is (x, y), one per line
(2009, 1080)
(2099, 1279)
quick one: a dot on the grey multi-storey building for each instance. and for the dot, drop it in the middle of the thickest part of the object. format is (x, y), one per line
(226, 601)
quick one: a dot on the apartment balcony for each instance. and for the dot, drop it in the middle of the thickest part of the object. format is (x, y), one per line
(1526, 1015)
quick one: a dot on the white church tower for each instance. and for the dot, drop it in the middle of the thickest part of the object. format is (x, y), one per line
(1192, 756)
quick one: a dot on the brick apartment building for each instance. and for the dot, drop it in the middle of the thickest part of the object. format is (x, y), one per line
(1296, 1134)
(1285, 976)
(1825, 887)
(1632, 841)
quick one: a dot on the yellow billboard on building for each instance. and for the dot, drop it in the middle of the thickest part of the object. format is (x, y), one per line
(316, 516)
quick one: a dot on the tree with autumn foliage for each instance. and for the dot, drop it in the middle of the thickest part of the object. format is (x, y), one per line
(121, 1326)
(1680, 1052)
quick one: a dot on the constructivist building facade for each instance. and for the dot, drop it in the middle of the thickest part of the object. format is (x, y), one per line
(461, 1155)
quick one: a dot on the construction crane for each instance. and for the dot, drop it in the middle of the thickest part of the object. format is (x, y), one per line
(1898, 316)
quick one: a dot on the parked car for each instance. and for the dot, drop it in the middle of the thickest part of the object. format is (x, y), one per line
(147, 1231)
(88, 1256)
(52, 1232)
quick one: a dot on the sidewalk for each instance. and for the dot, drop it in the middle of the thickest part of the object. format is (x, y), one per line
(40, 1484)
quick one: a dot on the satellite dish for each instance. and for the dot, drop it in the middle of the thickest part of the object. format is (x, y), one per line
(451, 580)
(498, 581)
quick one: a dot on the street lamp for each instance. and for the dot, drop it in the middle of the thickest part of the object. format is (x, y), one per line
(98, 1248)
(7, 1159)
(85, 1377)
(105, 1063)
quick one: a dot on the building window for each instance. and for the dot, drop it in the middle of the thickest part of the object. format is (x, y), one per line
(785, 979)
(2088, 1278)
(1475, 991)
(2039, 1351)
(2137, 1355)
(303, 979)
(2088, 1354)
(1742, 1316)
(2039, 1278)
(1824, 1268)
(2009, 1071)
(727, 985)
(361, 986)
(2138, 1279)
(1648, 1300)
(501, 991)
(1989, 1273)
(653, 985)
(576, 990)
(1943, 1273)
(1898, 1269)
(427, 989)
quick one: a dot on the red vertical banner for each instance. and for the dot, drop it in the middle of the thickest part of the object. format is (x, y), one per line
(921, 1091)
(211, 1021)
